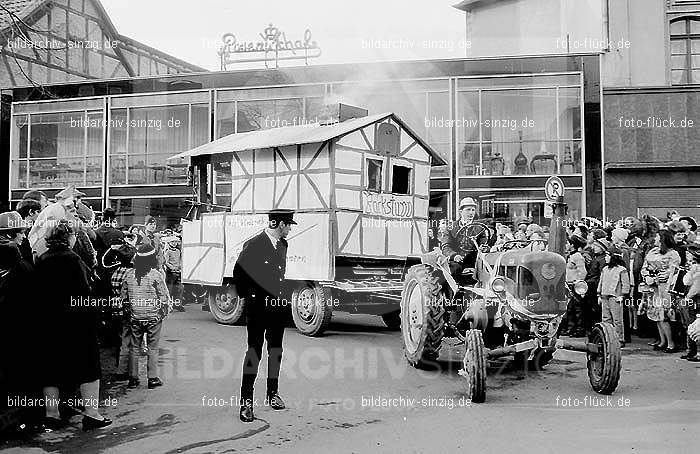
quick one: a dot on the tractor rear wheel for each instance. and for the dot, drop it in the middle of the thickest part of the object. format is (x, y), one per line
(312, 308)
(422, 315)
(475, 366)
(604, 366)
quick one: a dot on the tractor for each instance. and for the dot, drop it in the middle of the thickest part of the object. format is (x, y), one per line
(510, 304)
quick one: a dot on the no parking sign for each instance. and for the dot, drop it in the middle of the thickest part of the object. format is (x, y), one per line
(553, 189)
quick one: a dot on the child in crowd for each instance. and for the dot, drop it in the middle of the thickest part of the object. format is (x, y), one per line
(118, 259)
(614, 284)
(173, 263)
(146, 296)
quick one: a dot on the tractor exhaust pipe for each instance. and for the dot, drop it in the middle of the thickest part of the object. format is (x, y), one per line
(557, 227)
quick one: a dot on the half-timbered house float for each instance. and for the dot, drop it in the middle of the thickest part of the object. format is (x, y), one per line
(359, 187)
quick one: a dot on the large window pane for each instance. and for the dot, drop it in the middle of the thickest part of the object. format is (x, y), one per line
(527, 158)
(117, 166)
(469, 160)
(155, 134)
(20, 135)
(254, 115)
(57, 135)
(95, 128)
(468, 116)
(515, 115)
(93, 174)
(200, 125)
(19, 174)
(569, 113)
(225, 118)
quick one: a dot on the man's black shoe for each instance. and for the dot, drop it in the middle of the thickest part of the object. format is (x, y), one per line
(246, 413)
(275, 401)
(92, 423)
(154, 382)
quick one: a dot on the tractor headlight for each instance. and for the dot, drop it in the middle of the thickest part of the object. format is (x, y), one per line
(498, 285)
(549, 271)
(580, 287)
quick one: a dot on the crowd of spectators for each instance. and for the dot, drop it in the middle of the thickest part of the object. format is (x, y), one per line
(67, 282)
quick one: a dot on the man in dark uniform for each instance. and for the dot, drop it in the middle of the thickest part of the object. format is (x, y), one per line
(259, 278)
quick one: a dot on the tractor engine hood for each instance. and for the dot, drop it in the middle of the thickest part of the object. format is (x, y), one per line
(537, 282)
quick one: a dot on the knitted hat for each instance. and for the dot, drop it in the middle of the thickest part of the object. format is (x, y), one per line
(603, 242)
(577, 241)
(620, 234)
(598, 234)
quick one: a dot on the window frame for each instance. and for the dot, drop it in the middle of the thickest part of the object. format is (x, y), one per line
(381, 174)
(688, 38)
(410, 189)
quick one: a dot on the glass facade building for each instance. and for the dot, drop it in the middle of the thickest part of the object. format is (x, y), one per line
(503, 126)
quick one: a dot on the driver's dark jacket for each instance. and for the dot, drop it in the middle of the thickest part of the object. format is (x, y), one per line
(453, 242)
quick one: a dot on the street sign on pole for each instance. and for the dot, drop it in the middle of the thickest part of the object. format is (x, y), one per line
(554, 188)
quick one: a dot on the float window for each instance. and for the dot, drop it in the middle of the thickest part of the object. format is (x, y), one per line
(401, 180)
(374, 174)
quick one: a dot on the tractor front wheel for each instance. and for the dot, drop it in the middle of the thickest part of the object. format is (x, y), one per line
(604, 366)
(475, 366)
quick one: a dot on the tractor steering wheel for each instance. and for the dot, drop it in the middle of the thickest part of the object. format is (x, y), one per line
(475, 232)
(514, 244)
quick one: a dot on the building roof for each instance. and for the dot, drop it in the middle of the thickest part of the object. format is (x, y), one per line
(298, 135)
(16, 7)
(20, 10)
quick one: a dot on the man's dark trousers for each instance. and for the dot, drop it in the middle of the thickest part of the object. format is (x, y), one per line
(262, 327)
(259, 277)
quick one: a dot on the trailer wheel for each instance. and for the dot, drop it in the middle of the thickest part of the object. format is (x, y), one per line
(392, 320)
(312, 308)
(604, 366)
(225, 305)
(422, 315)
(475, 366)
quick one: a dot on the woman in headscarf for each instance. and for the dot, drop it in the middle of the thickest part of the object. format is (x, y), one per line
(70, 333)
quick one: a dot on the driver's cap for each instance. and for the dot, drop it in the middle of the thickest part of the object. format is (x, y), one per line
(466, 202)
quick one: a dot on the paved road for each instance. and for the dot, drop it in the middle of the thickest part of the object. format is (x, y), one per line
(352, 391)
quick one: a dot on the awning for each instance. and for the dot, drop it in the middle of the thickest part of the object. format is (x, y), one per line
(298, 135)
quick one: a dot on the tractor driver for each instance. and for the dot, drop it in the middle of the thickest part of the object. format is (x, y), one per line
(454, 239)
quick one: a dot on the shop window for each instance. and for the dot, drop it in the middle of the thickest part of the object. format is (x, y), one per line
(685, 50)
(401, 180)
(374, 174)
